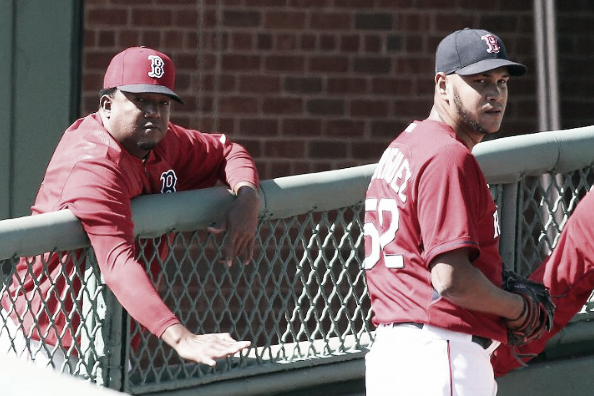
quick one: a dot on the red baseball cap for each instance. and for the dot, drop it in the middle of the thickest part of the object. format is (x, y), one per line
(141, 69)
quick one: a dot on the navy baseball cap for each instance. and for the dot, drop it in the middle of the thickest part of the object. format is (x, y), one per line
(473, 51)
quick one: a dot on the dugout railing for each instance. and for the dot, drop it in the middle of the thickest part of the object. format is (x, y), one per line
(302, 301)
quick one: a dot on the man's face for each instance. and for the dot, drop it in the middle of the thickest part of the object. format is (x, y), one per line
(138, 121)
(479, 100)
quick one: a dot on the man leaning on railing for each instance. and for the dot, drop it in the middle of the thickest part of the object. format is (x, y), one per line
(126, 149)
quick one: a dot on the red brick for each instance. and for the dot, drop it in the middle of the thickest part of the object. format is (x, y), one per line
(284, 63)
(151, 18)
(242, 41)
(327, 149)
(308, 42)
(123, 2)
(327, 42)
(90, 38)
(345, 129)
(369, 65)
(385, 129)
(310, 3)
(241, 62)
(414, 22)
(264, 41)
(237, 18)
(108, 17)
(173, 40)
(374, 21)
(414, 107)
(352, 3)
(128, 38)
(301, 127)
(267, 3)
(373, 43)
(368, 151)
(369, 108)
(300, 167)
(284, 20)
(399, 5)
(331, 21)
(253, 146)
(259, 127)
(286, 42)
(152, 39)
(284, 149)
(326, 107)
(332, 64)
(185, 18)
(283, 105)
(259, 83)
(350, 43)
(106, 39)
(347, 85)
(392, 86)
(98, 60)
(172, 2)
(278, 168)
(303, 84)
(238, 105)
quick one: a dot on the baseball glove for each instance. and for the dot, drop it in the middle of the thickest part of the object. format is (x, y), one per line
(539, 309)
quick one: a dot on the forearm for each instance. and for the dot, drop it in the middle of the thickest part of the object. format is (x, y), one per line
(477, 293)
(174, 334)
(238, 186)
(458, 281)
(130, 284)
(239, 168)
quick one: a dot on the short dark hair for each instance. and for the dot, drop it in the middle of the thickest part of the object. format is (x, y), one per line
(108, 91)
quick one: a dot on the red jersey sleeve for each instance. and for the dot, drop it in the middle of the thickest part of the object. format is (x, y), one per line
(212, 158)
(128, 281)
(97, 193)
(447, 201)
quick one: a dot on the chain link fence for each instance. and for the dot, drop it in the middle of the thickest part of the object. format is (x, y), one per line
(302, 301)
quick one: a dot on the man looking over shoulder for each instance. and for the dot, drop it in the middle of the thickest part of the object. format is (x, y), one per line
(432, 262)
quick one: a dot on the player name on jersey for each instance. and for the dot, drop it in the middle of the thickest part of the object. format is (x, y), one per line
(394, 169)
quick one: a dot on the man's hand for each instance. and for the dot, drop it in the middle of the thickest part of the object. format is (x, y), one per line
(240, 222)
(202, 348)
(538, 313)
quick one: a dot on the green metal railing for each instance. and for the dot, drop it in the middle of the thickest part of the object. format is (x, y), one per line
(302, 301)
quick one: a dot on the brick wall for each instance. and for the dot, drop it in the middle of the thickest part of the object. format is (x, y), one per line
(305, 85)
(575, 44)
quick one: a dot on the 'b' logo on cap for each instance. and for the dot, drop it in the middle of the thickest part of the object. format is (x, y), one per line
(492, 44)
(157, 69)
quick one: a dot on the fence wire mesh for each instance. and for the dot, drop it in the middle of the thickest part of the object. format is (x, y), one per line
(302, 298)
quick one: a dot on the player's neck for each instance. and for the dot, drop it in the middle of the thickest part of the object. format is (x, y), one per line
(467, 135)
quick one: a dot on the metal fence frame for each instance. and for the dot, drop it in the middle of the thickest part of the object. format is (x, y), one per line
(506, 163)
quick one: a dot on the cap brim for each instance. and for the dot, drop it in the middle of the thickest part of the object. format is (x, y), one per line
(514, 69)
(150, 88)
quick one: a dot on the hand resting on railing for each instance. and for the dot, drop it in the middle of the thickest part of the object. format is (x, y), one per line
(202, 348)
(240, 222)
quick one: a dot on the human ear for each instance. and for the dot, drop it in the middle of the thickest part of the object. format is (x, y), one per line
(105, 103)
(441, 83)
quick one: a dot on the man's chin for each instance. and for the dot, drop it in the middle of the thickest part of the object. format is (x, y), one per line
(147, 146)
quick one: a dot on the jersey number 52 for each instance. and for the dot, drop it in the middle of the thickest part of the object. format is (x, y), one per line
(381, 233)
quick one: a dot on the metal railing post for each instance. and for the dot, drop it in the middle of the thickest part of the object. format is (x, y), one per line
(509, 224)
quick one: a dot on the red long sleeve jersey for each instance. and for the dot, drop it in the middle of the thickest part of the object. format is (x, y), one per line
(427, 197)
(94, 177)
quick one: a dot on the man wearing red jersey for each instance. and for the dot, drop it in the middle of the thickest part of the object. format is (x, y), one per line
(569, 274)
(126, 149)
(432, 235)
